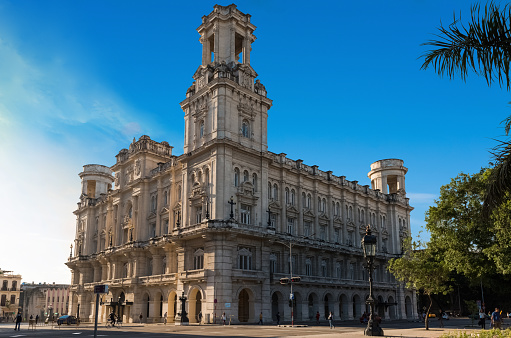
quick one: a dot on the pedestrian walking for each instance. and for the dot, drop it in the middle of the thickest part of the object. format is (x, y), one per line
(330, 320)
(36, 319)
(261, 318)
(496, 319)
(278, 318)
(165, 319)
(223, 317)
(317, 318)
(140, 317)
(482, 319)
(199, 316)
(18, 321)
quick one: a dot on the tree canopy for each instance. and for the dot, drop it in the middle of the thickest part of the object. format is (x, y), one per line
(422, 268)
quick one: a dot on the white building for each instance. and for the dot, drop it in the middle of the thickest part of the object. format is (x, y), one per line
(165, 226)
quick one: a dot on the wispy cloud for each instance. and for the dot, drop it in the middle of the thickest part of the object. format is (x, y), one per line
(51, 117)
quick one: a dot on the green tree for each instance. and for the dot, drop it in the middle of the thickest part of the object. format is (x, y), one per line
(483, 46)
(457, 228)
(420, 267)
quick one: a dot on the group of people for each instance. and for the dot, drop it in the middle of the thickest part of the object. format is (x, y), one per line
(19, 318)
(495, 319)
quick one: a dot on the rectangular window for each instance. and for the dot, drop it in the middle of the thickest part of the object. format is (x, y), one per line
(4, 285)
(4, 300)
(13, 299)
(290, 225)
(245, 214)
(273, 265)
(198, 214)
(273, 220)
(322, 232)
(338, 270)
(165, 226)
(307, 228)
(337, 235)
(324, 268)
(198, 262)
(308, 267)
(245, 259)
(153, 230)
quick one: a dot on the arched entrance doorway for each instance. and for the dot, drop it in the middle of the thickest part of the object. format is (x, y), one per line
(194, 305)
(392, 309)
(146, 306)
(408, 307)
(380, 310)
(298, 306)
(172, 306)
(275, 300)
(312, 302)
(243, 306)
(343, 307)
(357, 313)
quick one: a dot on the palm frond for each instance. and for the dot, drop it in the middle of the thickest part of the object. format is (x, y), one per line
(499, 180)
(483, 47)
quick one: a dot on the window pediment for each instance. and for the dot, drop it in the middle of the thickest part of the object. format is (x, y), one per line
(309, 213)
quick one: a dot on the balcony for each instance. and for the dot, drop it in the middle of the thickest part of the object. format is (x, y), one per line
(158, 279)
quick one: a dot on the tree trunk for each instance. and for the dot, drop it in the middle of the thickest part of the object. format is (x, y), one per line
(426, 321)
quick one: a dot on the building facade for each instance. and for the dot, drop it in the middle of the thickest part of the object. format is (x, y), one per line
(224, 222)
(9, 294)
(44, 300)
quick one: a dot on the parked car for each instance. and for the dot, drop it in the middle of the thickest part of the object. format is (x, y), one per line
(67, 320)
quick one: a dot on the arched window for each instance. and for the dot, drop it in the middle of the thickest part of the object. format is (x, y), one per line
(309, 200)
(245, 176)
(273, 263)
(245, 128)
(275, 192)
(337, 209)
(304, 200)
(130, 214)
(206, 176)
(236, 177)
(350, 212)
(245, 259)
(269, 191)
(323, 205)
(287, 195)
(201, 129)
(308, 267)
(153, 203)
(293, 194)
(362, 216)
(179, 193)
(198, 259)
(165, 198)
(254, 181)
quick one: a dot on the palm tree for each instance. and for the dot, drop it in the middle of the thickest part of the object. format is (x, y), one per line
(484, 47)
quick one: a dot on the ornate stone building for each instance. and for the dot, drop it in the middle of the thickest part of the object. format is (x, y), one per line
(216, 223)
(9, 294)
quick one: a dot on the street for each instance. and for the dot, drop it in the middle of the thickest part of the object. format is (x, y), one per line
(346, 329)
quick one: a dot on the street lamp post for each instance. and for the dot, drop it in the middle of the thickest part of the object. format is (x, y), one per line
(369, 247)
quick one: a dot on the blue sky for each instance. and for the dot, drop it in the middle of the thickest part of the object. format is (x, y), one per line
(80, 79)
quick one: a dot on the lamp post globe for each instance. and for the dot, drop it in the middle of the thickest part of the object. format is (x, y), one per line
(369, 246)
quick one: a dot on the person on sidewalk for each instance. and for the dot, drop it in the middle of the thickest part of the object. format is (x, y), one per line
(223, 318)
(165, 319)
(18, 321)
(496, 319)
(278, 318)
(317, 318)
(330, 320)
(482, 319)
(261, 318)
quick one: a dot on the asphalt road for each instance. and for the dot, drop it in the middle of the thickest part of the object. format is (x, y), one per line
(344, 329)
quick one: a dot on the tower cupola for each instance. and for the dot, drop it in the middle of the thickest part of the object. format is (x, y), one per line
(388, 176)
